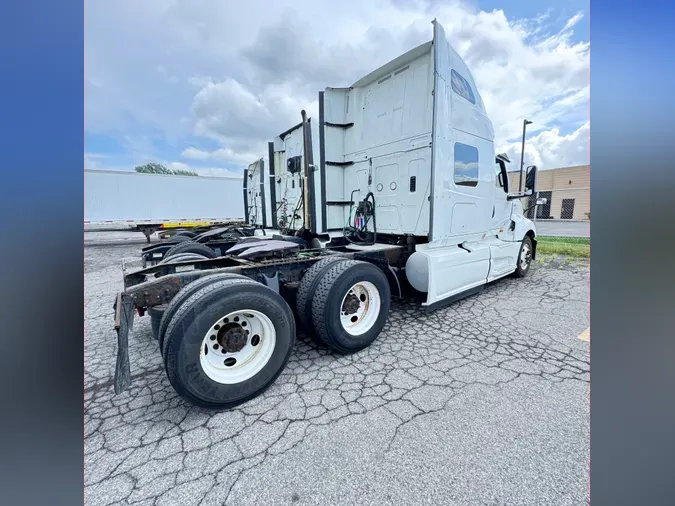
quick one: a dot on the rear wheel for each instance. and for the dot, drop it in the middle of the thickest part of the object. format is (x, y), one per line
(228, 342)
(350, 305)
(177, 239)
(190, 247)
(307, 288)
(156, 313)
(185, 293)
(183, 257)
(524, 258)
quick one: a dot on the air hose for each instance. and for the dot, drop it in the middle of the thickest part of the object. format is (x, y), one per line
(361, 220)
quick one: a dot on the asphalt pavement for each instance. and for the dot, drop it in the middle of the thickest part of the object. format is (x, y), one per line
(560, 228)
(483, 402)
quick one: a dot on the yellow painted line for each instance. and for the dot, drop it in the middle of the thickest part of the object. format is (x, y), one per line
(586, 335)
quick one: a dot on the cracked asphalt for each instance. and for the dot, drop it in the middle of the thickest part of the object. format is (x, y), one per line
(483, 402)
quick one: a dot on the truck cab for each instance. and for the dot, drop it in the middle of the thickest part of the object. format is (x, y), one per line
(415, 138)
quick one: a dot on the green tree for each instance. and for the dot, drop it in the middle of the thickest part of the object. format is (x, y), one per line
(158, 168)
(179, 172)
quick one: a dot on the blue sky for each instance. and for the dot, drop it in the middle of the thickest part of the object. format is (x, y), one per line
(204, 85)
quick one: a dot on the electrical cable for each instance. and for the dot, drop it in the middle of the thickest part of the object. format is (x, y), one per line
(360, 231)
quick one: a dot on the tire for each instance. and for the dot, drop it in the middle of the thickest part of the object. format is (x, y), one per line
(522, 265)
(186, 292)
(193, 354)
(307, 288)
(336, 283)
(183, 257)
(156, 313)
(177, 239)
(190, 247)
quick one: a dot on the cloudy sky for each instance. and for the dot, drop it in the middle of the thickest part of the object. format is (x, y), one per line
(204, 84)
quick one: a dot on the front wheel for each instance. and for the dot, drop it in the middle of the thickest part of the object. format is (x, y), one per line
(524, 258)
(227, 343)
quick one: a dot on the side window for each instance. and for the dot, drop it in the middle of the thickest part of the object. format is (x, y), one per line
(461, 86)
(466, 165)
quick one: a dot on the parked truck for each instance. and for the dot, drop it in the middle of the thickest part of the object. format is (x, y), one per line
(119, 200)
(395, 190)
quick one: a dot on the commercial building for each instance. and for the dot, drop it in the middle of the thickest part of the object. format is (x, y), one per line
(567, 191)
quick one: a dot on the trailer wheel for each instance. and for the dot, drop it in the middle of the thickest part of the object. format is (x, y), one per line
(156, 313)
(227, 343)
(350, 305)
(307, 287)
(185, 293)
(524, 258)
(190, 247)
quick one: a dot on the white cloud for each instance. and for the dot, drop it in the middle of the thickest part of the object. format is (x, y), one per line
(93, 161)
(228, 111)
(238, 157)
(146, 65)
(218, 172)
(195, 154)
(573, 21)
(241, 157)
(178, 166)
(549, 149)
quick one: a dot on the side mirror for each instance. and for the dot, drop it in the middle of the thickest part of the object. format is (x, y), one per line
(530, 179)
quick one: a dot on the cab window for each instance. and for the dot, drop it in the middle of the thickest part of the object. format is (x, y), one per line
(500, 173)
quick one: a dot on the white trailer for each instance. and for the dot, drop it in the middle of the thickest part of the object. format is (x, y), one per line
(395, 190)
(118, 200)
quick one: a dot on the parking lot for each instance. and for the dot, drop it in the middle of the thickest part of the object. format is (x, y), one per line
(485, 401)
(564, 228)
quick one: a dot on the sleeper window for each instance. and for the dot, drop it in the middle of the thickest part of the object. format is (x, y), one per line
(466, 165)
(461, 86)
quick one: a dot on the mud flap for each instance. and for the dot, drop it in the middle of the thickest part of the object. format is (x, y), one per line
(124, 322)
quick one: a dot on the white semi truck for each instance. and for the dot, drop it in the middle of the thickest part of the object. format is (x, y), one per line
(395, 190)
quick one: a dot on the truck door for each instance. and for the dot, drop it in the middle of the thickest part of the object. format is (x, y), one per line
(501, 208)
(503, 248)
(469, 187)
